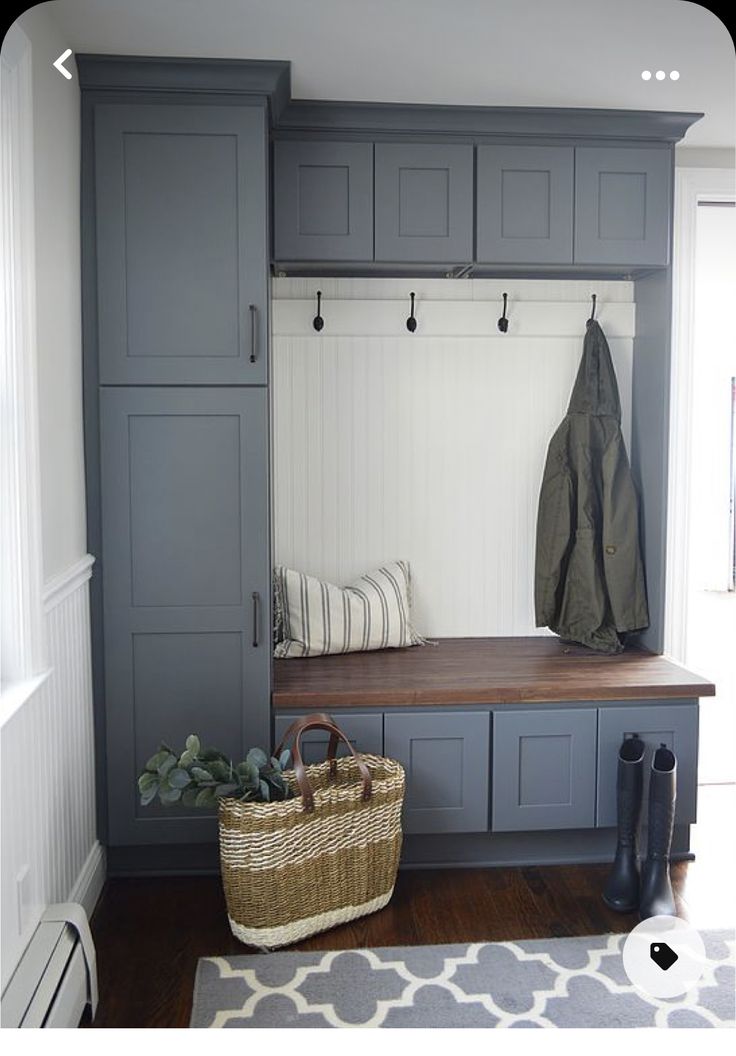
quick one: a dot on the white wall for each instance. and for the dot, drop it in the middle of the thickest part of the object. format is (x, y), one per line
(47, 828)
(58, 295)
(428, 447)
(587, 53)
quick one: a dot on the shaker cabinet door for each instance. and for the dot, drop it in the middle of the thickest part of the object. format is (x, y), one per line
(364, 730)
(544, 769)
(622, 205)
(446, 759)
(675, 726)
(525, 205)
(182, 253)
(323, 201)
(186, 588)
(424, 203)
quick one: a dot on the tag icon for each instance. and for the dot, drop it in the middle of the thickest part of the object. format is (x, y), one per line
(662, 955)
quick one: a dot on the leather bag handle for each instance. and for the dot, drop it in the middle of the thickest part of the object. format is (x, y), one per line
(320, 721)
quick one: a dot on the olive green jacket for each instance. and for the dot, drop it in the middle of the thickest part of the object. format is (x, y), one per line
(589, 578)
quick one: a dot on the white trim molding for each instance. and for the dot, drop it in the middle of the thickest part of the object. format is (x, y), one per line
(65, 583)
(692, 185)
(90, 881)
(23, 646)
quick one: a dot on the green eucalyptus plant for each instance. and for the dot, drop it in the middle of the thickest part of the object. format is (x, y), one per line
(198, 777)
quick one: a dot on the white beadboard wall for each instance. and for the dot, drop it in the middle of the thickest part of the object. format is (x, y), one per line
(428, 446)
(48, 783)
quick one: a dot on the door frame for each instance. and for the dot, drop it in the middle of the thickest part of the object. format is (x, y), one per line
(692, 185)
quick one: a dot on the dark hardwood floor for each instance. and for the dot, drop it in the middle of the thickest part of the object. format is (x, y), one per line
(149, 933)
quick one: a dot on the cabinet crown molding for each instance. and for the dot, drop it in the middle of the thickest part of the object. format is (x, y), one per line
(479, 122)
(272, 80)
(258, 77)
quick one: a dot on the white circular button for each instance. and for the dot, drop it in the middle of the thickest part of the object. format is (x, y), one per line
(675, 75)
(660, 75)
(646, 75)
(664, 956)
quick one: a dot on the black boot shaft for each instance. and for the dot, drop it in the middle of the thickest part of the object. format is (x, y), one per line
(657, 898)
(662, 799)
(629, 785)
(621, 891)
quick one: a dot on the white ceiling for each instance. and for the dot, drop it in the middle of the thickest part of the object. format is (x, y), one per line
(476, 52)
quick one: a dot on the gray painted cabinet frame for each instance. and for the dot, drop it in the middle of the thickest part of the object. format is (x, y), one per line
(187, 645)
(182, 247)
(144, 85)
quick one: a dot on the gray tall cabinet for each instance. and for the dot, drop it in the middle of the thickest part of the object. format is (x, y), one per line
(176, 349)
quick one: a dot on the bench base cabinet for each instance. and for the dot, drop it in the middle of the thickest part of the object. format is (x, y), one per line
(674, 725)
(550, 769)
(446, 759)
(544, 765)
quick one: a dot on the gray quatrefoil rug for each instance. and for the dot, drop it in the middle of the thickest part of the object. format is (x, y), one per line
(576, 982)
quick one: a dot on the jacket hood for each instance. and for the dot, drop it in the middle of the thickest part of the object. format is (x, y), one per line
(595, 390)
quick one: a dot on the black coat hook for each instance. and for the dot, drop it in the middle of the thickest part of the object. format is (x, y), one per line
(411, 323)
(503, 323)
(318, 322)
(592, 310)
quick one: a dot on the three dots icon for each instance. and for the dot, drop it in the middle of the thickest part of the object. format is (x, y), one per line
(646, 75)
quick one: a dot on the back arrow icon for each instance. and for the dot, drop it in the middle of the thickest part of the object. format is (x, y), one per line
(59, 64)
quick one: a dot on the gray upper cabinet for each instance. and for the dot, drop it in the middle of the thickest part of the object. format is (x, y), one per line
(525, 205)
(182, 247)
(674, 725)
(323, 201)
(623, 200)
(364, 730)
(446, 758)
(544, 765)
(424, 203)
(186, 587)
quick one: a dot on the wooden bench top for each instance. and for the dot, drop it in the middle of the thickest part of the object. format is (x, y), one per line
(479, 671)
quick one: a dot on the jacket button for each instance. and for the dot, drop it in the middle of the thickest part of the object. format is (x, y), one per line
(610, 549)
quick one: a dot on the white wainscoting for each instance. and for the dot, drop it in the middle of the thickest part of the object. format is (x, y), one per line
(50, 851)
(428, 446)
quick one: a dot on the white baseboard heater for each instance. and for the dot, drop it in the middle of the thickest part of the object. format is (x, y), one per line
(57, 975)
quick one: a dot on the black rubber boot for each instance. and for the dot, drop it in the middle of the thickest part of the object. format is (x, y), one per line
(622, 887)
(656, 889)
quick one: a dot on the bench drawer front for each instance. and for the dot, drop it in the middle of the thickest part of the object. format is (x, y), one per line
(676, 726)
(364, 730)
(446, 758)
(544, 769)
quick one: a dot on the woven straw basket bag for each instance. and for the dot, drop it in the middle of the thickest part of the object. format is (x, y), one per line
(293, 868)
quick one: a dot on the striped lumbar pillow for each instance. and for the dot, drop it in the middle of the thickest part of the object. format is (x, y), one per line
(314, 618)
